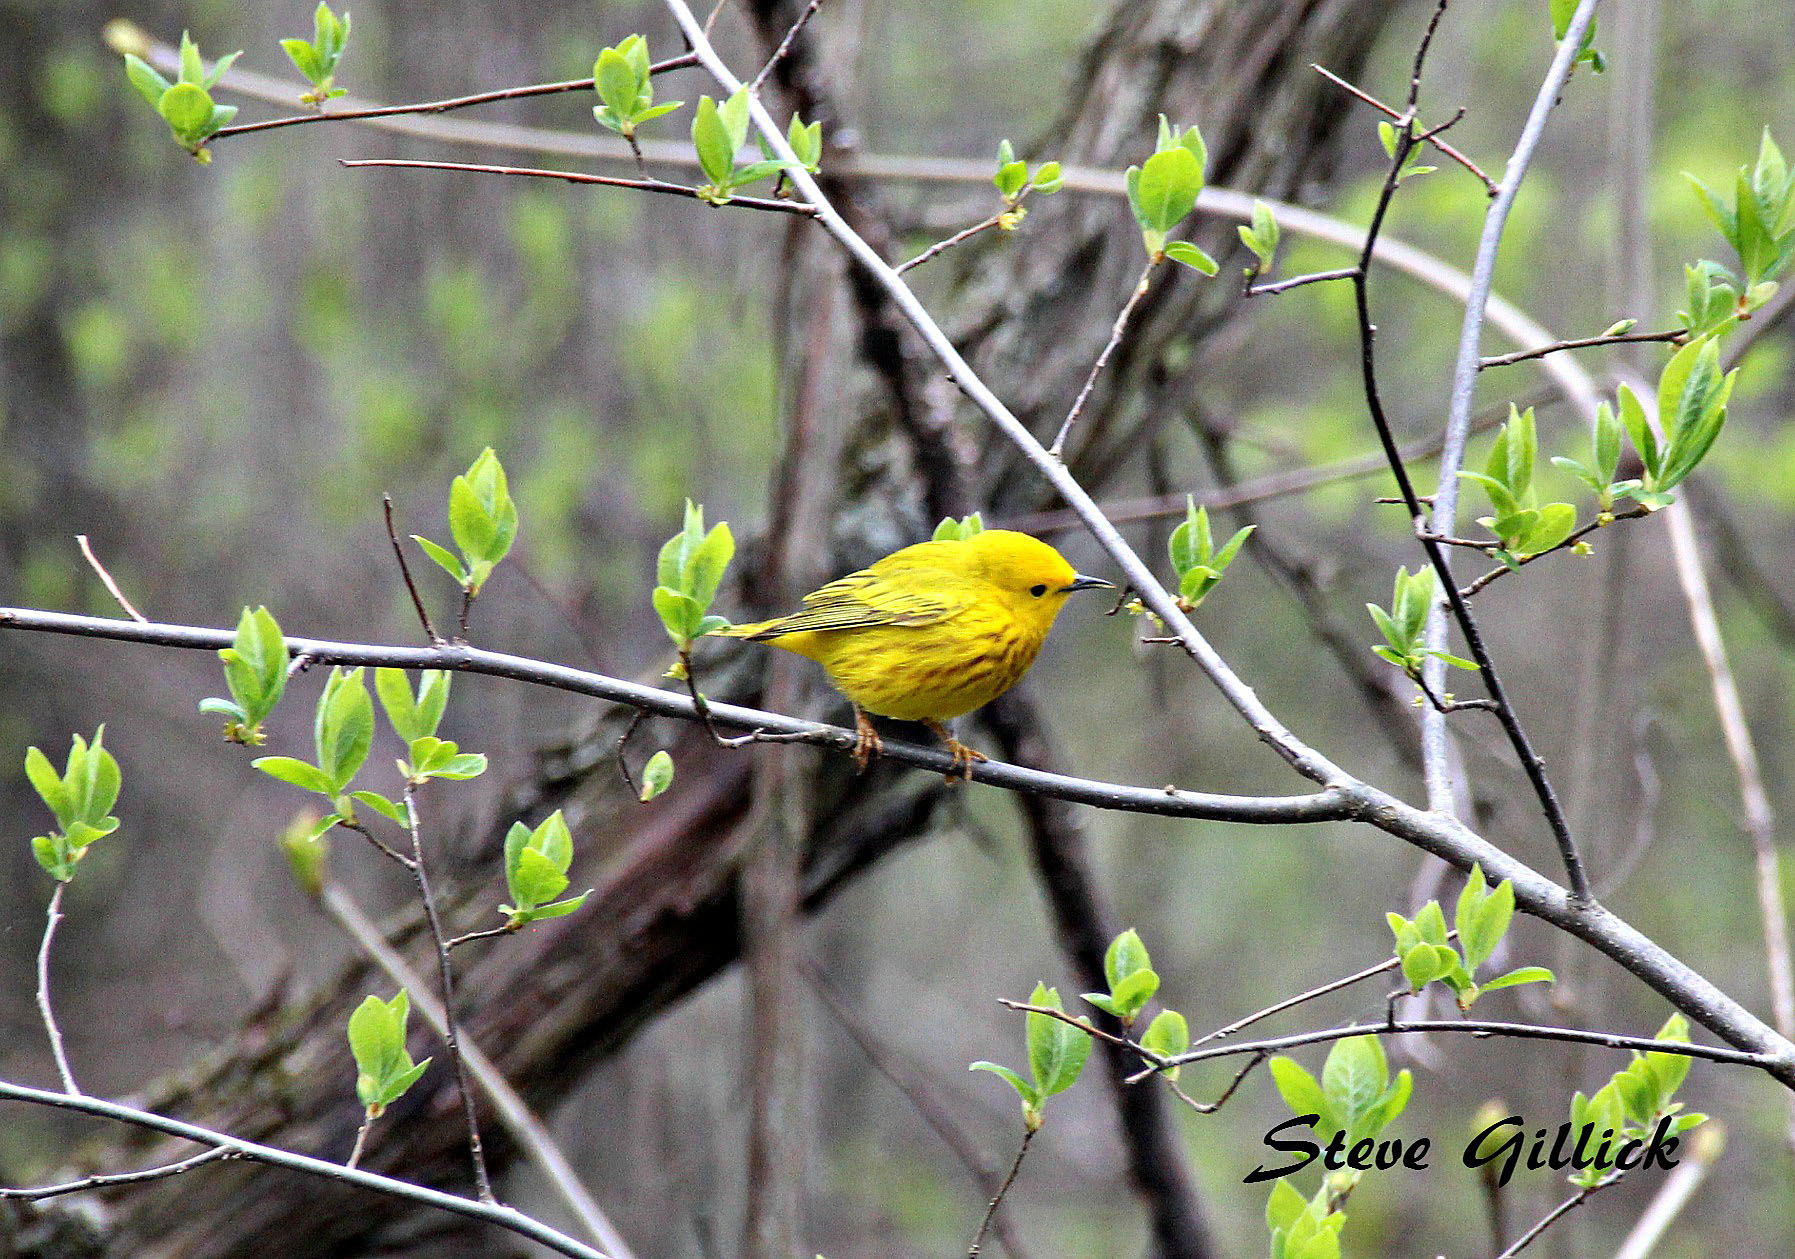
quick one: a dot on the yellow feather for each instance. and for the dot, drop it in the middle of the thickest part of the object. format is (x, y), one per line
(932, 631)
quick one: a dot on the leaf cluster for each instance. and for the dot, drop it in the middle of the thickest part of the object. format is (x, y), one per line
(186, 105)
(1304, 1228)
(482, 522)
(342, 732)
(621, 76)
(1261, 236)
(1194, 557)
(1482, 919)
(536, 863)
(1522, 526)
(317, 58)
(255, 670)
(1411, 162)
(1637, 1097)
(1355, 1095)
(1760, 222)
(1014, 182)
(720, 131)
(1692, 400)
(1056, 1055)
(690, 568)
(81, 798)
(951, 530)
(1404, 626)
(384, 1070)
(1162, 191)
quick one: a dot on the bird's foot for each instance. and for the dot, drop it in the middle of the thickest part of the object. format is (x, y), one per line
(963, 756)
(867, 743)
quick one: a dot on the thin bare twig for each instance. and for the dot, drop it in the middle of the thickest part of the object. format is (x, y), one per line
(361, 1139)
(491, 933)
(1571, 541)
(1557, 1213)
(437, 107)
(1297, 281)
(785, 45)
(52, 916)
(386, 503)
(1445, 150)
(1676, 336)
(942, 246)
(582, 177)
(978, 1239)
(446, 973)
(1058, 449)
(107, 1180)
(918, 1091)
(118, 595)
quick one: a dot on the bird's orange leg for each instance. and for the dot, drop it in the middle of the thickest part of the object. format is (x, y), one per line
(963, 755)
(867, 743)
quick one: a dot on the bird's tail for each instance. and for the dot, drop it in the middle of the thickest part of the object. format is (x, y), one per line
(753, 631)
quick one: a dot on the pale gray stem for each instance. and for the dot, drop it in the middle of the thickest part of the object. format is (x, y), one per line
(1437, 763)
(53, 916)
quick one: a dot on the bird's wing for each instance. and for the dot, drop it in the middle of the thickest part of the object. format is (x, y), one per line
(868, 598)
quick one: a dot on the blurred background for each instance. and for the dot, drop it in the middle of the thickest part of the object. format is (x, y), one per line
(216, 371)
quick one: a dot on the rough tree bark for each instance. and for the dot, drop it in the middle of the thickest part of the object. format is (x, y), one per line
(665, 914)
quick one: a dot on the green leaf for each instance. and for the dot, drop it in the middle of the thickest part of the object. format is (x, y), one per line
(443, 557)
(1354, 1077)
(1126, 955)
(1183, 251)
(49, 786)
(343, 729)
(149, 84)
(657, 775)
(716, 156)
(187, 108)
(1520, 975)
(1639, 430)
(1132, 993)
(679, 613)
(703, 570)
(1166, 190)
(193, 70)
(305, 59)
(461, 767)
(482, 517)
(616, 83)
(1167, 1035)
(1056, 1050)
(296, 772)
(557, 909)
(1284, 1207)
(536, 880)
(1302, 1093)
(1027, 1092)
(1555, 523)
(380, 804)
(1049, 179)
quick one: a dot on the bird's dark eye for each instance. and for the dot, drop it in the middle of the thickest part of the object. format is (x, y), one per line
(1037, 591)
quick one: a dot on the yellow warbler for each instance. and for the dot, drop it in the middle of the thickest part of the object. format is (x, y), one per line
(932, 631)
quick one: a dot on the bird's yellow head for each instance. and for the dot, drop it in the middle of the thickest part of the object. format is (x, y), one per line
(1030, 576)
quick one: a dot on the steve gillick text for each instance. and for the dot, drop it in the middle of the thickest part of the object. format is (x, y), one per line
(1573, 1147)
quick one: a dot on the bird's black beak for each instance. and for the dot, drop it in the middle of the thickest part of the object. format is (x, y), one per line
(1081, 582)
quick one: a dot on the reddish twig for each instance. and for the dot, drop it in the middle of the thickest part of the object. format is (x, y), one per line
(386, 502)
(1445, 150)
(93, 562)
(581, 177)
(1676, 336)
(439, 107)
